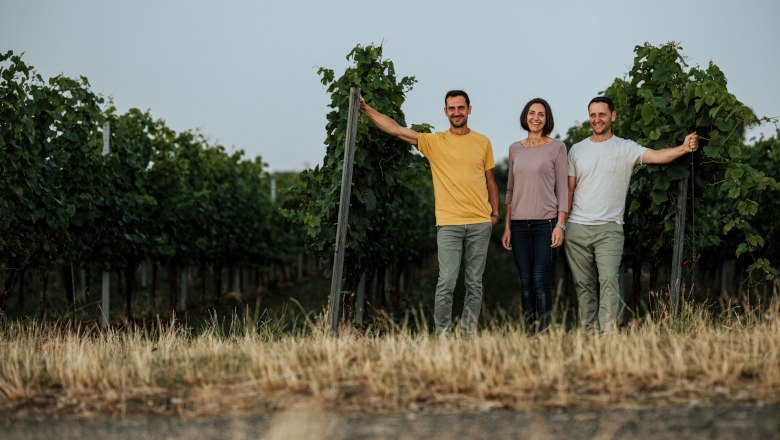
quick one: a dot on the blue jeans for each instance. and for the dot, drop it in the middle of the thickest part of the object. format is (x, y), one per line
(531, 240)
(468, 243)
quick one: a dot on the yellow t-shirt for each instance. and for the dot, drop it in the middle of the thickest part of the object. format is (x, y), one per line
(458, 165)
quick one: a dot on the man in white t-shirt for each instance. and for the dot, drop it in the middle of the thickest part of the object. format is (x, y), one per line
(600, 168)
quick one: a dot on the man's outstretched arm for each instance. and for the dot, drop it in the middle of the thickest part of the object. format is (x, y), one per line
(388, 125)
(666, 155)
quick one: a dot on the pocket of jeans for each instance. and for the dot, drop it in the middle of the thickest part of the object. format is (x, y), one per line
(551, 222)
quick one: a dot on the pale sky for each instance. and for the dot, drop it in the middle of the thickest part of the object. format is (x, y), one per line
(245, 72)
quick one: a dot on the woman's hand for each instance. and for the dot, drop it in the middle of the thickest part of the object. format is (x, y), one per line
(557, 237)
(506, 239)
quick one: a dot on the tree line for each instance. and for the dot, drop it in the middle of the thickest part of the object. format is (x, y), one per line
(85, 186)
(177, 200)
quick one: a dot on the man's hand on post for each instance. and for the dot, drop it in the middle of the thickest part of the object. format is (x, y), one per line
(692, 142)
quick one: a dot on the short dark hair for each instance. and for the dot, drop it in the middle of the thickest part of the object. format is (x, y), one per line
(549, 122)
(605, 100)
(453, 93)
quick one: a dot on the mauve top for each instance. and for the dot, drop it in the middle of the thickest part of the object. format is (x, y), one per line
(537, 187)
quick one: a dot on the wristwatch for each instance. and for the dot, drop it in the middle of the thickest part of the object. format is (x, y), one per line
(500, 219)
(561, 225)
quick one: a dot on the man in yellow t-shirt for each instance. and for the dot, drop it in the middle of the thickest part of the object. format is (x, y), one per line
(466, 199)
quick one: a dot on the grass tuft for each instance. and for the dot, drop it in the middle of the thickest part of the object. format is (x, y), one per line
(251, 362)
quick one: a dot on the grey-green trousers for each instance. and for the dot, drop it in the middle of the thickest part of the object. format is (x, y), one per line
(469, 243)
(594, 253)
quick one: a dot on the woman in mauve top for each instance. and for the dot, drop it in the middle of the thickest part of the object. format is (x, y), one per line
(536, 210)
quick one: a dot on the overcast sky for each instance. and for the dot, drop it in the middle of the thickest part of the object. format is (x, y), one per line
(245, 72)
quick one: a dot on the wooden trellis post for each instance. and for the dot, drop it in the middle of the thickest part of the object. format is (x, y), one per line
(106, 276)
(343, 219)
(677, 252)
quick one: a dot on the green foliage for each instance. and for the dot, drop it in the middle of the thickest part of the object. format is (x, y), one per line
(288, 235)
(764, 157)
(576, 133)
(121, 232)
(158, 194)
(48, 136)
(660, 102)
(391, 210)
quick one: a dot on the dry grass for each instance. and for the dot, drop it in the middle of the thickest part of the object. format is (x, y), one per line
(252, 367)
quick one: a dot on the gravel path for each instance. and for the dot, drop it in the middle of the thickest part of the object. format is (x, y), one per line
(672, 422)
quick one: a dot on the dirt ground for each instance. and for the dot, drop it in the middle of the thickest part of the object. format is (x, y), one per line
(311, 422)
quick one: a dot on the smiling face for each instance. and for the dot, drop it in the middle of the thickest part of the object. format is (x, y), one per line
(601, 118)
(457, 111)
(536, 118)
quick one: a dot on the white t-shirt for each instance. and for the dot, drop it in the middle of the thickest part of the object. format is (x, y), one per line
(603, 171)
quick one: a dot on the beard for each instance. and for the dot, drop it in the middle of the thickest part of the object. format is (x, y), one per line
(458, 123)
(604, 129)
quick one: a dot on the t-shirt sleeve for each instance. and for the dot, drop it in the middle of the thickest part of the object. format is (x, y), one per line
(424, 143)
(489, 164)
(635, 152)
(561, 180)
(510, 181)
(571, 163)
